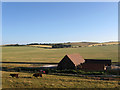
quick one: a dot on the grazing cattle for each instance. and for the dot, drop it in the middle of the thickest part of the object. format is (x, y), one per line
(37, 75)
(14, 75)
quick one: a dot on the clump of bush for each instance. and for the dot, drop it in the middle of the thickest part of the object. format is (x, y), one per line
(90, 73)
(113, 72)
(94, 73)
(48, 71)
(80, 72)
(67, 71)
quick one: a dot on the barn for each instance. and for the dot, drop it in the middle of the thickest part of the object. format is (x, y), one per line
(75, 61)
(96, 64)
(70, 61)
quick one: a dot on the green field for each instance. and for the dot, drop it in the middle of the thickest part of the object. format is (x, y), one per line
(34, 54)
(26, 80)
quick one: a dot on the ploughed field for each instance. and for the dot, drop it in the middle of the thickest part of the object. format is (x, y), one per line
(34, 54)
(26, 80)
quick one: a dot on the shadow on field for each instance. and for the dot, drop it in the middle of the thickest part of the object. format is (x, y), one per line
(18, 77)
(28, 63)
(25, 77)
(21, 69)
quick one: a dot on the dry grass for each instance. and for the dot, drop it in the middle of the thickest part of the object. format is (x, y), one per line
(26, 80)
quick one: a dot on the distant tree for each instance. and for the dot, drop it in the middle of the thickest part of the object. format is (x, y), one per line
(60, 46)
(68, 42)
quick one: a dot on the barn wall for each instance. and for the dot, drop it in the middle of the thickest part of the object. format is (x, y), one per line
(107, 62)
(66, 63)
(93, 67)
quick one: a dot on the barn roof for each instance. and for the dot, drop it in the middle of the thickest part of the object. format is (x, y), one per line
(76, 58)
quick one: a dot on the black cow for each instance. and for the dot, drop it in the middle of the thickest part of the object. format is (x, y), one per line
(14, 75)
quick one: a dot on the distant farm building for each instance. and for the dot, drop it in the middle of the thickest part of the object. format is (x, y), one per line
(70, 61)
(75, 61)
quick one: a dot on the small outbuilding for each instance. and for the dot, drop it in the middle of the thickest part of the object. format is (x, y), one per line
(96, 64)
(70, 61)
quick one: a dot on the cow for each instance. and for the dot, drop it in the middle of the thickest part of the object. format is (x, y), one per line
(37, 74)
(14, 75)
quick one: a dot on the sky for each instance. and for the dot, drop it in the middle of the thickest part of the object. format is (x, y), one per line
(48, 22)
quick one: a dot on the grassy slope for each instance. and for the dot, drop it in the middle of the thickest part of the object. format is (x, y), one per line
(26, 80)
(33, 54)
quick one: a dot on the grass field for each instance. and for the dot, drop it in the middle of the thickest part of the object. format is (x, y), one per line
(26, 80)
(34, 54)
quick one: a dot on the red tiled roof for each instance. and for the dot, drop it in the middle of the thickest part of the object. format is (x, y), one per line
(76, 58)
